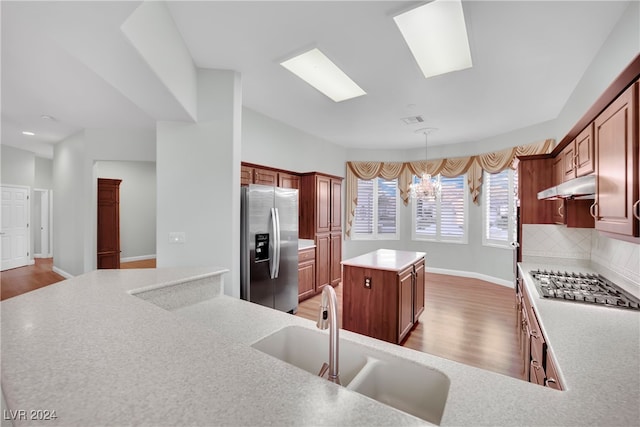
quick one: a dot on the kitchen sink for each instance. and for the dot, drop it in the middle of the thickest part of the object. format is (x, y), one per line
(309, 349)
(416, 389)
(402, 384)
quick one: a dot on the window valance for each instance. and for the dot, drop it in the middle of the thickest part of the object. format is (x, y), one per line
(473, 166)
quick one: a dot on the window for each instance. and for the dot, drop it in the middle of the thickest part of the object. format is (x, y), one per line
(376, 215)
(443, 219)
(500, 195)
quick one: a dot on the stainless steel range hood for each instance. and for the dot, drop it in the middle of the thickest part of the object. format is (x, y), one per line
(577, 188)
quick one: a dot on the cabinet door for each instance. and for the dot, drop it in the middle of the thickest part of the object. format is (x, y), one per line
(557, 206)
(584, 152)
(569, 161)
(336, 258)
(405, 303)
(534, 175)
(108, 235)
(336, 205)
(418, 296)
(265, 177)
(551, 372)
(287, 180)
(615, 165)
(246, 175)
(323, 268)
(323, 204)
(306, 279)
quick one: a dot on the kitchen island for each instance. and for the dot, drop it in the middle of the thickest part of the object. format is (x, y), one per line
(166, 347)
(383, 293)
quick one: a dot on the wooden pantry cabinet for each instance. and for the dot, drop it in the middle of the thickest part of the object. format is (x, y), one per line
(321, 220)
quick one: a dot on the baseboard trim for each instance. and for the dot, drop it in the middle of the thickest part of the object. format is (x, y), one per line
(62, 272)
(472, 275)
(42, 256)
(138, 258)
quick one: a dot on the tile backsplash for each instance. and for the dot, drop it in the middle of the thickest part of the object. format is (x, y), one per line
(557, 241)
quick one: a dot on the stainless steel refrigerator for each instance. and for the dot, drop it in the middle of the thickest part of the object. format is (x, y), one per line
(269, 247)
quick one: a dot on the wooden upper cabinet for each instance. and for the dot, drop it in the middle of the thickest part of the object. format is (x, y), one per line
(246, 175)
(323, 204)
(583, 147)
(265, 177)
(534, 175)
(287, 180)
(568, 161)
(336, 205)
(616, 155)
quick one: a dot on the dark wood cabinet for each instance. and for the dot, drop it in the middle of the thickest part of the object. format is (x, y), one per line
(535, 174)
(306, 273)
(380, 302)
(537, 359)
(584, 151)
(419, 287)
(287, 180)
(246, 175)
(321, 220)
(616, 157)
(265, 177)
(108, 238)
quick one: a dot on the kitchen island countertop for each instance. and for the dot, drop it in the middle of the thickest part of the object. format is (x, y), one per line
(385, 259)
(99, 355)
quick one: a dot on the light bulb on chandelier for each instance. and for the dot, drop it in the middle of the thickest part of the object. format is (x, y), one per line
(427, 187)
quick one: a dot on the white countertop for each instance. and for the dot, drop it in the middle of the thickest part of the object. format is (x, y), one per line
(306, 244)
(385, 259)
(100, 356)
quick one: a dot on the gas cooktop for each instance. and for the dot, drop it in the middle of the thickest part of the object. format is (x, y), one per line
(581, 287)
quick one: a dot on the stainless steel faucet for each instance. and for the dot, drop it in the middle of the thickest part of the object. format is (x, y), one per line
(328, 318)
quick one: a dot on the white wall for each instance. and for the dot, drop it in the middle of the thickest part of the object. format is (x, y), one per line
(198, 172)
(268, 142)
(70, 206)
(17, 166)
(43, 173)
(137, 206)
(619, 49)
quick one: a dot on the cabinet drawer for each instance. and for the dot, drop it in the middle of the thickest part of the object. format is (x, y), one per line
(306, 255)
(553, 380)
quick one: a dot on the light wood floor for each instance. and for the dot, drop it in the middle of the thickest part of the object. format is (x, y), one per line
(467, 320)
(17, 281)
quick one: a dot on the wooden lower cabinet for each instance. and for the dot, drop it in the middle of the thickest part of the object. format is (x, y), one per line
(323, 264)
(383, 304)
(306, 273)
(335, 258)
(538, 365)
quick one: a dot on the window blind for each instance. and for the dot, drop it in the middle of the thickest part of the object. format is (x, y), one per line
(500, 208)
(376, 214)
(443, 219)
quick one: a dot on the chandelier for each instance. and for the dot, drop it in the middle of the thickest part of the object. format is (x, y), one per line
(427, 187)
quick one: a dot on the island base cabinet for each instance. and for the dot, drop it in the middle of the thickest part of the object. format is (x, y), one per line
(382, 304)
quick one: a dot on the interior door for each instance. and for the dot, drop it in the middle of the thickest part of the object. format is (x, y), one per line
(14, 232)
(44, 223)
(108, 223)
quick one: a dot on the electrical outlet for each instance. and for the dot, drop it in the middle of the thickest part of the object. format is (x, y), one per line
(367, 282)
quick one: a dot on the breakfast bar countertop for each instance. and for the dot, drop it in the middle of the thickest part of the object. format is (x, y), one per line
(166, 347)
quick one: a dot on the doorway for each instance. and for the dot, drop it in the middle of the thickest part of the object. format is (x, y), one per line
(14, 231)
(42, 202)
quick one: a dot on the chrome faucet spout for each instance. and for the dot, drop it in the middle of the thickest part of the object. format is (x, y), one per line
(328, 317)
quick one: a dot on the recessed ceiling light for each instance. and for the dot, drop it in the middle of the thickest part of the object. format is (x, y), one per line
(47, 117)
(316, 69)
(437, 36)
(24, 132)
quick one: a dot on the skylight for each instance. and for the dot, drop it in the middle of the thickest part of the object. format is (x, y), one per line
(437, 36)
(316, 69)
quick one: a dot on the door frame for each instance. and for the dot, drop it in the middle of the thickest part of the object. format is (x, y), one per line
(29, 233)
(49, 221)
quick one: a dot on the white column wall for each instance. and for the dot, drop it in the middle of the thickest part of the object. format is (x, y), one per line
(198, 174)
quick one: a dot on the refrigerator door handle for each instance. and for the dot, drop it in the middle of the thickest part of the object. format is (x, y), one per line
(275, 241)
(278, 243)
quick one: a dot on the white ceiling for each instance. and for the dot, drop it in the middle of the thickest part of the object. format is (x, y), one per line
(527, 59)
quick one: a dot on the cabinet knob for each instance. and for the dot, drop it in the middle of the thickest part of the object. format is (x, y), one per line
(592, 210)
(534, 334)
(636, 209)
